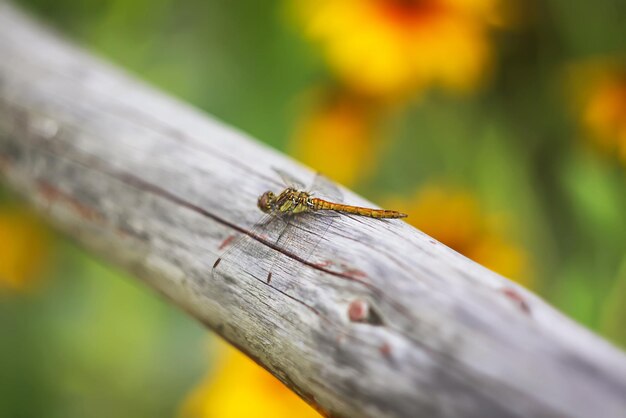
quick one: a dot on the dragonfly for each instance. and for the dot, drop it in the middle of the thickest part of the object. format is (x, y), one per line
(295, 220)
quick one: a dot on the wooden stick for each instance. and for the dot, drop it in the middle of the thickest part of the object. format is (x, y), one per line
(381, 320)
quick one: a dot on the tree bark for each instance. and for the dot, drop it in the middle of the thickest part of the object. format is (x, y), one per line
(361, 317)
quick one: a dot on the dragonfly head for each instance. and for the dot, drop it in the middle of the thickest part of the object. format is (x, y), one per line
(266, 201)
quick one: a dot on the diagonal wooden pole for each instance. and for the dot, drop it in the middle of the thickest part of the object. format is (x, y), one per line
(383, 321)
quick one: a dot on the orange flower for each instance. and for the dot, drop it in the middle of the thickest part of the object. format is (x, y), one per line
(338, 137)
(604, 114)
(455, 218)
(394, 47)
(240, 388)
(24, 248)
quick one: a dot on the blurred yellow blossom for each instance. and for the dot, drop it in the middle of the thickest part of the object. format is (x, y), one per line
(455, 218)
(24, 247)
(604, 113)
(397, 47)
(239, 388)
(338, 136)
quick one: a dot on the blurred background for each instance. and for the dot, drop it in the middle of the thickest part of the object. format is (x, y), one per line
(499, 126)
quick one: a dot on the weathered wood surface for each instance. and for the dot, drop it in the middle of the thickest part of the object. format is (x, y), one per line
(381, 321)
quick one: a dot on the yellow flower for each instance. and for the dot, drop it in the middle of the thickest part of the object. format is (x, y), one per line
(24, 248)
(395, 47)
(338, 137)
(239, 388)
(455, 218)
(604, 114)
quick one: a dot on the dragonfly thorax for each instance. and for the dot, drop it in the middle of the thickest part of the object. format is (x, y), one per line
(289, 201)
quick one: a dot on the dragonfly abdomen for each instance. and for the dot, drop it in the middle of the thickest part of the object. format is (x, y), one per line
(320, 204)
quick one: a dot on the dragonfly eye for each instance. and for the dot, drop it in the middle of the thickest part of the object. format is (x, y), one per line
(266, 201)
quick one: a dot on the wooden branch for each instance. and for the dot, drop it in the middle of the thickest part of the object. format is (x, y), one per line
(381, 320)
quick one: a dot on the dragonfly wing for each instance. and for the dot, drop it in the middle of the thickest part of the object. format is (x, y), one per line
(326, 189)
(268, 228)
(296, 236)
(288, 179)
(304, 234)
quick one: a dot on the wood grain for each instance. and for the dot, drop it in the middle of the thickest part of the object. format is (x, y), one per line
(381, 321)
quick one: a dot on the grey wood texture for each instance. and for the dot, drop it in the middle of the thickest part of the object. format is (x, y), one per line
(378, 320)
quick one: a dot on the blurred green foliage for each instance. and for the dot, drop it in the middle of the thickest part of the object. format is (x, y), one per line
(94, 341)
(91, 342)
(236, 60)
